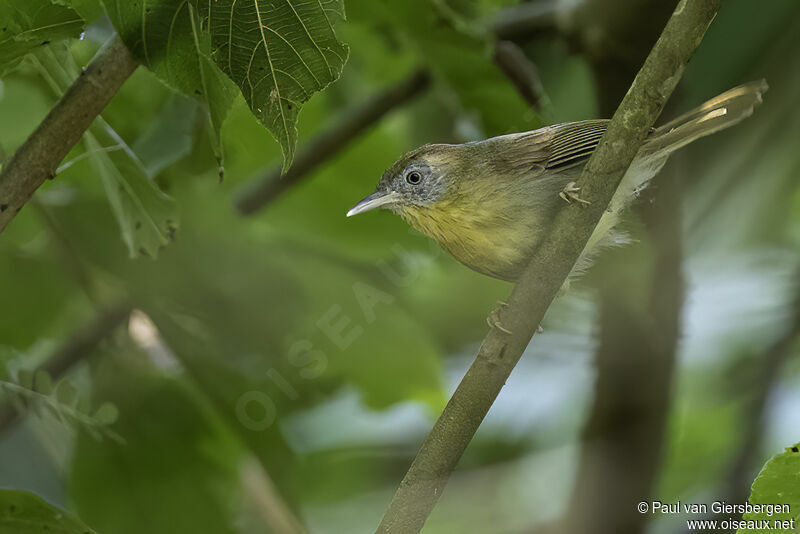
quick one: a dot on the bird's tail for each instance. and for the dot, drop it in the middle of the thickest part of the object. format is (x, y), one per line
(717, 114)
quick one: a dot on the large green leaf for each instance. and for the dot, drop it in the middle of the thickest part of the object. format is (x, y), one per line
(166, 36)
(25, 513)
(778, 483)
(279, 54)
(27, 24)
(147, 217)
(90, 10)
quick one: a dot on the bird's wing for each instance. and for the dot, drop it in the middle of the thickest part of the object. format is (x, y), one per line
(574, 142)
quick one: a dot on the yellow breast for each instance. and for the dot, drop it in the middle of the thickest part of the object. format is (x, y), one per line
(481, 236)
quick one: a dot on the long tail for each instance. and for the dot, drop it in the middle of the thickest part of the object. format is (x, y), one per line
(719, 113)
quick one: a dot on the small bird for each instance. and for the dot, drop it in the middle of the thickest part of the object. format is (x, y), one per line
(488, 202)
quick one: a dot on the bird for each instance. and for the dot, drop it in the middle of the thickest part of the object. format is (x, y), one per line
(488, 203)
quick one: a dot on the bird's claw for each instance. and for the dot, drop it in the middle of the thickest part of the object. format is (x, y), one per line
(570, 193)
(493, 320)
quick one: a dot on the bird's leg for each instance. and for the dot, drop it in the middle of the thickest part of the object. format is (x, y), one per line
(570, 193)
(493, 320)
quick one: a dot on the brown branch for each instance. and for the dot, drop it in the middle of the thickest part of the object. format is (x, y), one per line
(330, 142)
(74, 349)
(549, 268)
(38, 158)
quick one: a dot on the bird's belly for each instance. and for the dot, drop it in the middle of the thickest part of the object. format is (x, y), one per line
(481, 238)
(500, 252)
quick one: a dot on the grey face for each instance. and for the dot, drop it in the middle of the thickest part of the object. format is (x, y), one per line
(412, 181)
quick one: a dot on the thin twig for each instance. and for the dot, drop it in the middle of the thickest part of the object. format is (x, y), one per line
(549, 268)
(330, 142)
(82, 342)
(38, 158)
(262, 498)
(520, 71)
(525, 21)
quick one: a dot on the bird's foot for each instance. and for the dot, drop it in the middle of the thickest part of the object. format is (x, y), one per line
(493, 320)
(570, 193)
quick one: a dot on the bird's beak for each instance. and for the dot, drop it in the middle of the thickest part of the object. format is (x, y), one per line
(375, 200)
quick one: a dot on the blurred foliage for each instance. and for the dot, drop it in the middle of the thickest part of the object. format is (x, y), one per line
(27, 25)
(323, 346)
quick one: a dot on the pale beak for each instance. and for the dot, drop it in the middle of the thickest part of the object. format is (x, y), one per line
(375, 200)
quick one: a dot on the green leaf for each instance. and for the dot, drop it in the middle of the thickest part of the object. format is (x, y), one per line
(279, 54)
(66, 393)
(178, 470)
(90, 10)
(28, 24)
(146, 216)
(107, 414)
(166, 36)
(350, 319)
(26, 513)
(170, 137)
(778, 483)
(43, 382)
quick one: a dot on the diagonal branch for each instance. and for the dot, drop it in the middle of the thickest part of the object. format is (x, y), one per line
(520, 71)
(549, 268)
(38, 158)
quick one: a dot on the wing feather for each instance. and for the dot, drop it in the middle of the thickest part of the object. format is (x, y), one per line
(574, 142)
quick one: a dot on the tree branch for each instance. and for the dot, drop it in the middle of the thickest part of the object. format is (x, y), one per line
(520, 71)
(526, 20)
(38, 158)
(74, 349)
(551, 264)
(331, 141)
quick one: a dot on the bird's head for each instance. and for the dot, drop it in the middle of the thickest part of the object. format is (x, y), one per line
(420, 179)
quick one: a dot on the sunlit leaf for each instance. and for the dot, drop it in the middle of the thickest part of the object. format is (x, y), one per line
(25, 513)
(28, 24)
(279, 54)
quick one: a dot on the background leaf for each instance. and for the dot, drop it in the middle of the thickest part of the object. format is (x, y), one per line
(145, 215)
(279, 54)
(27, 24)
(25, 513)
(186, 463)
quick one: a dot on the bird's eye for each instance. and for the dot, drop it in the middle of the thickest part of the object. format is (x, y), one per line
(413, 177)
